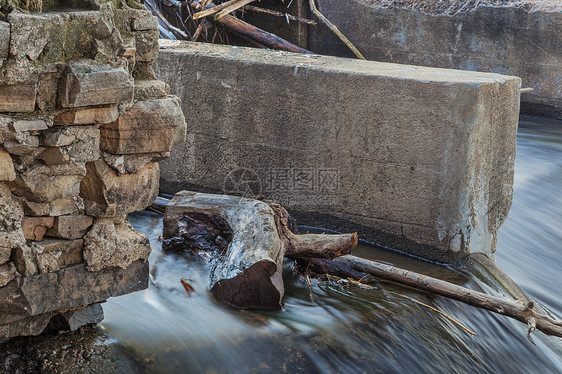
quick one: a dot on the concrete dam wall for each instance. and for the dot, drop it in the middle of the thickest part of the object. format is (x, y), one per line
(416, 158)
(513, 37)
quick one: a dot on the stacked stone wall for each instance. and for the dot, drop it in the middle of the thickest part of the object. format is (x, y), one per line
(83, 122)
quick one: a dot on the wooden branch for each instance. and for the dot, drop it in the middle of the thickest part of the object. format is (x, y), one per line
(268, 39)
(514, 309)
(239, 4)
(335, 30)
(161, 17)
(228, 6)
(478, 262)
(279, 14)
(261, 36)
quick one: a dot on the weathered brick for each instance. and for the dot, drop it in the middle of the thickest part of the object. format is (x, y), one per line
(148, 22)
(150, 89)
(17, 98)
(148, 127)
(30, 125)
(46, 184)
(70, 227)
(87, 116)
(146, 43)
(4, 40)
(7, 172)
(56, 138)
(107, 194)
(54, 156)
(34, 228)
(85, 85)
(7, 273)
(66, 288)
(70, 250)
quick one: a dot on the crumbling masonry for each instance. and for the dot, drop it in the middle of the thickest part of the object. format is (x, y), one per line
(83, 123)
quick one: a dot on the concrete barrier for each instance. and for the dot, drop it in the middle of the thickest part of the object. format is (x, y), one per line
(521, 38)
(416, 158)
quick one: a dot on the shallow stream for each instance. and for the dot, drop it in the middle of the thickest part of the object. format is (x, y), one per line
(336, 328)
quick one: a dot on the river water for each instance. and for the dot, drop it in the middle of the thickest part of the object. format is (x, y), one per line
(337, 328)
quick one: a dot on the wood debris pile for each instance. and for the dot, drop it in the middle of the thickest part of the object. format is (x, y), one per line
(223, 22)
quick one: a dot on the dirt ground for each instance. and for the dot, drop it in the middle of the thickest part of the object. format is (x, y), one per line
(88, 350)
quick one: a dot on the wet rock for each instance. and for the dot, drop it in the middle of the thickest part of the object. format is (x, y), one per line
(32, 325)
(109, 244)
(72, 320)
(155, 125)
(87, 116)
(70, 227)
(65, 288)
(86, 84)
(107, 194)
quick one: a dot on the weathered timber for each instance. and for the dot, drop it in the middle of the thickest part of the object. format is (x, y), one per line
(261, 36)
(249, 273)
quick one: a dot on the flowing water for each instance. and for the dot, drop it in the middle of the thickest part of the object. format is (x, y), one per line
(337, 328)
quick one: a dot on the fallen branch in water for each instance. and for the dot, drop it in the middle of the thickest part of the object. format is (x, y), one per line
(249, 273)
(524, 312)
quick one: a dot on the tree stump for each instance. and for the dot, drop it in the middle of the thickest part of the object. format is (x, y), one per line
(250, 239)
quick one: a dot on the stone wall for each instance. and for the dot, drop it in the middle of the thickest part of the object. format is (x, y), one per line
(416, 158)
(83, 122)
(518, 37)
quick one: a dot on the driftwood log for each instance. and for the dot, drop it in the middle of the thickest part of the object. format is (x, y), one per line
(251, 238)
(263, 37)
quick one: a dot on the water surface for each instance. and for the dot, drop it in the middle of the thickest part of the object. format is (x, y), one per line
(337, 328)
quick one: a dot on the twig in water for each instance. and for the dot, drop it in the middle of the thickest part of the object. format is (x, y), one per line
(309, 288)
(444, 315)
(435, 310)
